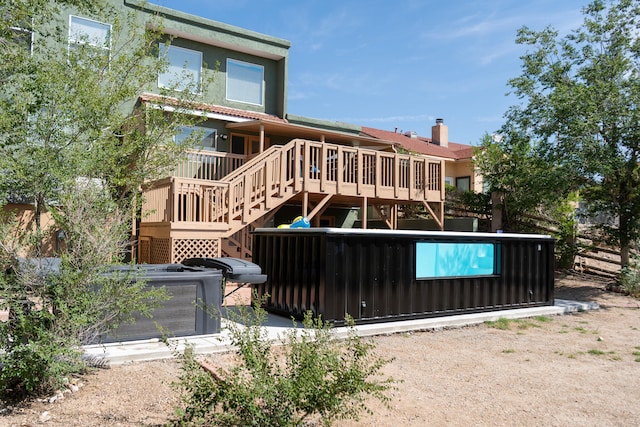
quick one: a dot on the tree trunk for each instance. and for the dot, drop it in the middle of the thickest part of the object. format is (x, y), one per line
(624, 227)
(37, 216)
(625, 242)
(497, 207)
(624, 255)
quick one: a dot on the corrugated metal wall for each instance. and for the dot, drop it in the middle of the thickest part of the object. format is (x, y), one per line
(372, 276)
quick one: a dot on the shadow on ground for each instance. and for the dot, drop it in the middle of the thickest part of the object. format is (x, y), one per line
(238, 314)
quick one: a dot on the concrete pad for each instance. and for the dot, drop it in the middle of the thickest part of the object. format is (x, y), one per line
(155, 349)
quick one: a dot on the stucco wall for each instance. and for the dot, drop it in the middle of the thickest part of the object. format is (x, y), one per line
(462, 169)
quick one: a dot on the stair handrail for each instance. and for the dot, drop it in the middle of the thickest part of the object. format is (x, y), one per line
(242, 173)
(251, 163)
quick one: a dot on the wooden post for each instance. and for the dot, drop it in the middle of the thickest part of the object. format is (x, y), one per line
(246, 201)
(297, 168)
(442, 184)
(359, 172)
(412, 179)
(396, 175)
(364, 213)
(261, 138)
(175, 201)
(305, 203)
(283, 172)
(323, 166)
(378, 174)
(306, 165)
(339, 170)
(394, 216)
(268, 184)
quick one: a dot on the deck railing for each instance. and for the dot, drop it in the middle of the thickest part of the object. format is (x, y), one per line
(253, 188)
(361, 172)
(209, 165)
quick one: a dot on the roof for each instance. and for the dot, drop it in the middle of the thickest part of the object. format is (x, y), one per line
(211, 108)
(422, 145)
(253, 121)
(295, 130)
(215, 33)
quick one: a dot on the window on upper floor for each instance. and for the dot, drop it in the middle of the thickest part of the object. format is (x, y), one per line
(87, 32)
(245, 82)
(184, 72)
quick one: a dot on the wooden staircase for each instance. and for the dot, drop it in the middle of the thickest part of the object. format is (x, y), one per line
(184, 207)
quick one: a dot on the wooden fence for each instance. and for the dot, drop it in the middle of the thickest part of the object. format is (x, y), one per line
(593, 256)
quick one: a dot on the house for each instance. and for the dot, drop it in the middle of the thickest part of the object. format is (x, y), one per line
(258, 161)
(257, 164)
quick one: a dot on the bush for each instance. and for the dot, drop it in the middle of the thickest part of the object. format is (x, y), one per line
(566, 247)
(630, 277)
(310, 376)
(51, 315)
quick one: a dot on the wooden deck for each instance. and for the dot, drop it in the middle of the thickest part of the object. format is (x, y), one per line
(214, 196)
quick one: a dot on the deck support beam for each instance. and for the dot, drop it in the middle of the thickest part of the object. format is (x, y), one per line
(305, 203)
(319, 207)
(364, 213)
(439, 218)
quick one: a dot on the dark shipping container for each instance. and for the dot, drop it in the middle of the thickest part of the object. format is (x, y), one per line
(387, 275)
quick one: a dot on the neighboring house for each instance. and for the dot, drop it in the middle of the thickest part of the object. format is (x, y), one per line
(258, 165)
(23, 213)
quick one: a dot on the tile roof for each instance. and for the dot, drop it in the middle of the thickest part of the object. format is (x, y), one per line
(212, 108)
(422, 145)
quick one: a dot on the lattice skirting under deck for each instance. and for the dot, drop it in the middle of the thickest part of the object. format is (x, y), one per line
(173, 251)
(195, 248)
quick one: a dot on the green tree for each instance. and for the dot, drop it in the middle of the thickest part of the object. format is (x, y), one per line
(68, 110)
(52, 312)
(74, 141)
(524, 182)
(579, 115)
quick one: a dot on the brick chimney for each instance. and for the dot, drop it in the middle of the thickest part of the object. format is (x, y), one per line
(440, 133)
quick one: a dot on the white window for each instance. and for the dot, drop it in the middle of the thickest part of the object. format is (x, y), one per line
(207, 136)
(90, 32)
(245, 82)
(184, 69)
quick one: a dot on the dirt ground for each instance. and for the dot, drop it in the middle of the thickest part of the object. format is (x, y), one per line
(581, 369)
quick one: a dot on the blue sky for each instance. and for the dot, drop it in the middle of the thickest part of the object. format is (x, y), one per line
(398, 64)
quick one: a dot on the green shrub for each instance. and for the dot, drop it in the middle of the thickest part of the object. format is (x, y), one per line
(630, 277)
(566, 247)
(52, 315)
(470, 201)
(308, 375)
